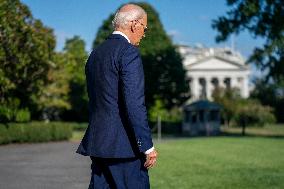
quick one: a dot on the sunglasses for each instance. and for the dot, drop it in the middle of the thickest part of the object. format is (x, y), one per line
(145, 27)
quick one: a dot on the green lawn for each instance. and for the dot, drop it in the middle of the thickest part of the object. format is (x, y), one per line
(77, 135)
(223, 162)
(269, 130)
(219, 162)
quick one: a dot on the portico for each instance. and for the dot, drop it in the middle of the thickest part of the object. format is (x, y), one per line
(203, 86)
(209, 68)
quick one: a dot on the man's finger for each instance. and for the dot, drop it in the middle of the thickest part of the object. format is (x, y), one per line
(151, 159)
(150, 163)
(147, 163)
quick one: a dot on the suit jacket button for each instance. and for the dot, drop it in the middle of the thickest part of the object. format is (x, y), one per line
(139, 143)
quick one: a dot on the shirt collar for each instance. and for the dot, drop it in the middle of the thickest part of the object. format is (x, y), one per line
(120, 33)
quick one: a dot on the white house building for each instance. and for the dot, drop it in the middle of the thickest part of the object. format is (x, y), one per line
(208, 68)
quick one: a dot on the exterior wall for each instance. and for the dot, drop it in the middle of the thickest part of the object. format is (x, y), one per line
(210, 128)
(200, 127)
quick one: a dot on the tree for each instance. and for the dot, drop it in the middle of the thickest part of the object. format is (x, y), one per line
(270, 94)
(76, 55)
(242, 112)
(264, 19)
(251, 113)
(54, 98)
(26, 48)
(158, 110)
(228, 99)
(164, 73)
(104, 31)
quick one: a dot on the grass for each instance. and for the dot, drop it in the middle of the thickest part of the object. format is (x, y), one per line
(222, 162)
(77, 135)
(269, 130)
(219, 162)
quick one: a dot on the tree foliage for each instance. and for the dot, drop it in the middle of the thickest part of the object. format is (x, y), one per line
(251, 113)
(228, 98)
(164, 73)
(65, 96)
(242, 112)
(54, 97)
(158, 109)
(76, 54)
(104, 31)
(26, 48)
(10, 111)
(261, 18)
(270, 94)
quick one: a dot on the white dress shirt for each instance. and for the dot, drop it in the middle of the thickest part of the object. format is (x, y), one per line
(120, 33)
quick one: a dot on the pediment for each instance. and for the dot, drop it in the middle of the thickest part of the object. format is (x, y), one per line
(215, 63)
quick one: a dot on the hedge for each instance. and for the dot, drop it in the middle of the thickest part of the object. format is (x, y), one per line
(174, 128)
(4, 136)
(79, 126)
(34, 132)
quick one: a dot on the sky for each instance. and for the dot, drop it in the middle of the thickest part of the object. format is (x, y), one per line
(187, 21)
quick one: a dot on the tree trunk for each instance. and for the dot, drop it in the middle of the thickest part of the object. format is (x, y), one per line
(227, 123)
(243, 128)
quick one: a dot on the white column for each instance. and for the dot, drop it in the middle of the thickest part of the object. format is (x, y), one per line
(194, 89)
(221, 82)
(245, 88)
(208, 88)
(234, 82)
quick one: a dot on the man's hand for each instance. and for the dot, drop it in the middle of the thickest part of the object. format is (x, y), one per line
(151, 159)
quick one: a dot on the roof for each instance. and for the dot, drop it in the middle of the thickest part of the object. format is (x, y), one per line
(197, 55)
(233, 63)
(202, 105)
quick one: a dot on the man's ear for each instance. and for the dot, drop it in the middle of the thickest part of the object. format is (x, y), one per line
(133, 27)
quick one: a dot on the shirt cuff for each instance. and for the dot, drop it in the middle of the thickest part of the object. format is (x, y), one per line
(150, 150)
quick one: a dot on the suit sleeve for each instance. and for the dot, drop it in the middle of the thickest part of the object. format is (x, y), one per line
(133, 91)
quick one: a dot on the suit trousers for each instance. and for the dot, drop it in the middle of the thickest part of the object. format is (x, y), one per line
(119, 173)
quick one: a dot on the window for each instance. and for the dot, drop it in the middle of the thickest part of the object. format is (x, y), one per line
(201, 116)
(214, 115)
(194, 117)
(187, 116)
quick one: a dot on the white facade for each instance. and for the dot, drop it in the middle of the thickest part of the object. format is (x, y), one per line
(208, 68)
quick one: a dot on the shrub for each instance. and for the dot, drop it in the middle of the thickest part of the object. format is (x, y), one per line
(61, 131)
(252, 113)
(6, 114)
(38, 132)
(173, 128)
(17, 132)
(4, 135)
(32, 132)
(10, 112)
(173, 115)
(23, 115)
(79, 126)
(35, 132)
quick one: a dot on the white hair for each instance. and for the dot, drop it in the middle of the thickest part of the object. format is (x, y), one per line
(122, 18)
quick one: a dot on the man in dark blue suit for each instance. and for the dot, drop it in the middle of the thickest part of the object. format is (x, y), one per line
(118, 138)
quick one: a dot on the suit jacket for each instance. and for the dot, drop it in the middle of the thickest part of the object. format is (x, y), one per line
(118, 124)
